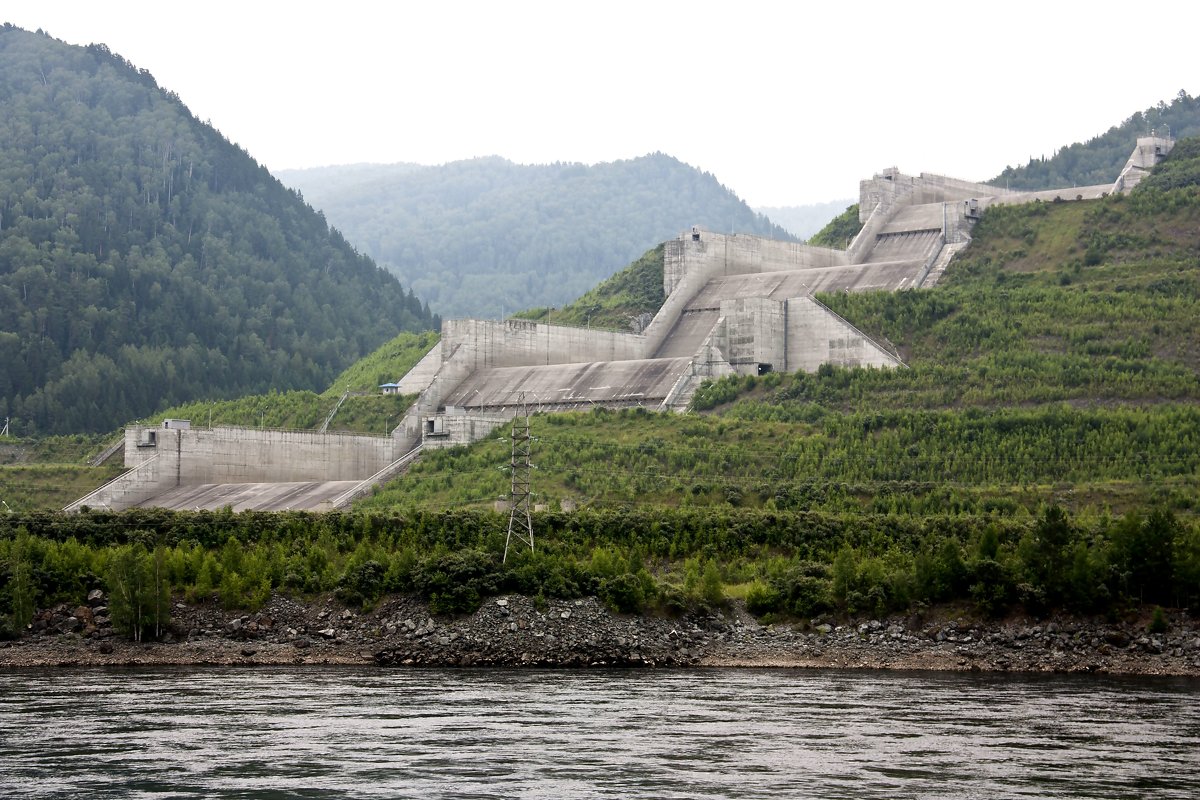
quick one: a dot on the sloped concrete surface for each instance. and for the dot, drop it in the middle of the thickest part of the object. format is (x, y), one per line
(785, 285)
(915, 246)
(645, 381)
(297, 496)
(689, 333)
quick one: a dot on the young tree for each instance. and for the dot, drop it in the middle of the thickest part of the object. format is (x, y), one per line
(139, 592)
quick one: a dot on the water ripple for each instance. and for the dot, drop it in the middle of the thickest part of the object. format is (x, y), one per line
(360, 732)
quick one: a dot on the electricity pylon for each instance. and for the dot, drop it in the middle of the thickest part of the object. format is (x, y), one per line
(520, 525)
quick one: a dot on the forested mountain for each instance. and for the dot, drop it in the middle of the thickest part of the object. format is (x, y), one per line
(1100, 159)
(486, 237)
(146, 261)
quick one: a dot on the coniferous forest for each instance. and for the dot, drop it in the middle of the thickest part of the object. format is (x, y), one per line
(146, 261)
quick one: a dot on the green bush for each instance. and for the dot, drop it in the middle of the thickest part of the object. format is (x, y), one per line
(762, 598)
(362, 585)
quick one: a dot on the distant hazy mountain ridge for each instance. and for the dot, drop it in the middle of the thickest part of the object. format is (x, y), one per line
(487, 237)
(806, 220)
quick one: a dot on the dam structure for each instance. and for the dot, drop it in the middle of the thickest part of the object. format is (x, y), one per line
(734, 305)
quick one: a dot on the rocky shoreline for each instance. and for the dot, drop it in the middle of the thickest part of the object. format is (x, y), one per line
(516, 631)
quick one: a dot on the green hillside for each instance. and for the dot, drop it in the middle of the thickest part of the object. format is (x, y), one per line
(146, 261)
(1038, 455)
(839, 231)
(1100, 159)
(487, 237)
(617, 302)
(364, 410)
(1057, 362)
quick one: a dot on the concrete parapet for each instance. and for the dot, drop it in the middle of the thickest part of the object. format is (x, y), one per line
(249, 455)
(163, 460)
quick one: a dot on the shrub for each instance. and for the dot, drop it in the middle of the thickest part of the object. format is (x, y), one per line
(762, 598)
(1158, 623)
(363, 584)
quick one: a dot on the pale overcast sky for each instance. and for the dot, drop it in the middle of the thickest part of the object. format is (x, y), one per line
(785, 102)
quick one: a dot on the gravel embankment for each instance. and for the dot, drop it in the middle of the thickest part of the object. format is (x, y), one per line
(512, 631)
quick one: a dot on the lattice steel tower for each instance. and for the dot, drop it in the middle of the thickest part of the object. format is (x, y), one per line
(520, 525)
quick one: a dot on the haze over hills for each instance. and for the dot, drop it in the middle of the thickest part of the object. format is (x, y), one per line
(804, 221)
(146, 261)
(487, 237)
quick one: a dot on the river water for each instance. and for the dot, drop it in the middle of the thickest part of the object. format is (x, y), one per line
(360, 732)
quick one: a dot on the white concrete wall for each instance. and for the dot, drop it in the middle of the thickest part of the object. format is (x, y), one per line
(477, 343)
(463, 428)
(816, 336)
(739, 254)
(755, 332)
(140, 483)
(1149, 151)
(417, 379)
(252, 455)
(864, 241)
(892, 190)
(1047, 196)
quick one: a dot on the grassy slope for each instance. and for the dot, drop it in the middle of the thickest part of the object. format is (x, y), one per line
(50, 471)
(637, 289)
(1058, 361)
(839, 231)
(367, 413)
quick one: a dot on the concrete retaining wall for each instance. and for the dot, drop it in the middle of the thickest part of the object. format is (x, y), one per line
(891, 190)
(477, 343)
(461, 428)
(1047, 196)
(251, 455)
(864, 242)
(417, 379)
(755, 332)
(140, 483)
(716, 254)
(816, 336)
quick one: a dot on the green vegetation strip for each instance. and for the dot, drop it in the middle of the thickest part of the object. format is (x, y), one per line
(787, 565)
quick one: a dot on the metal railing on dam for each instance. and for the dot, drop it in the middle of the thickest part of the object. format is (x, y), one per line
(379, 477)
